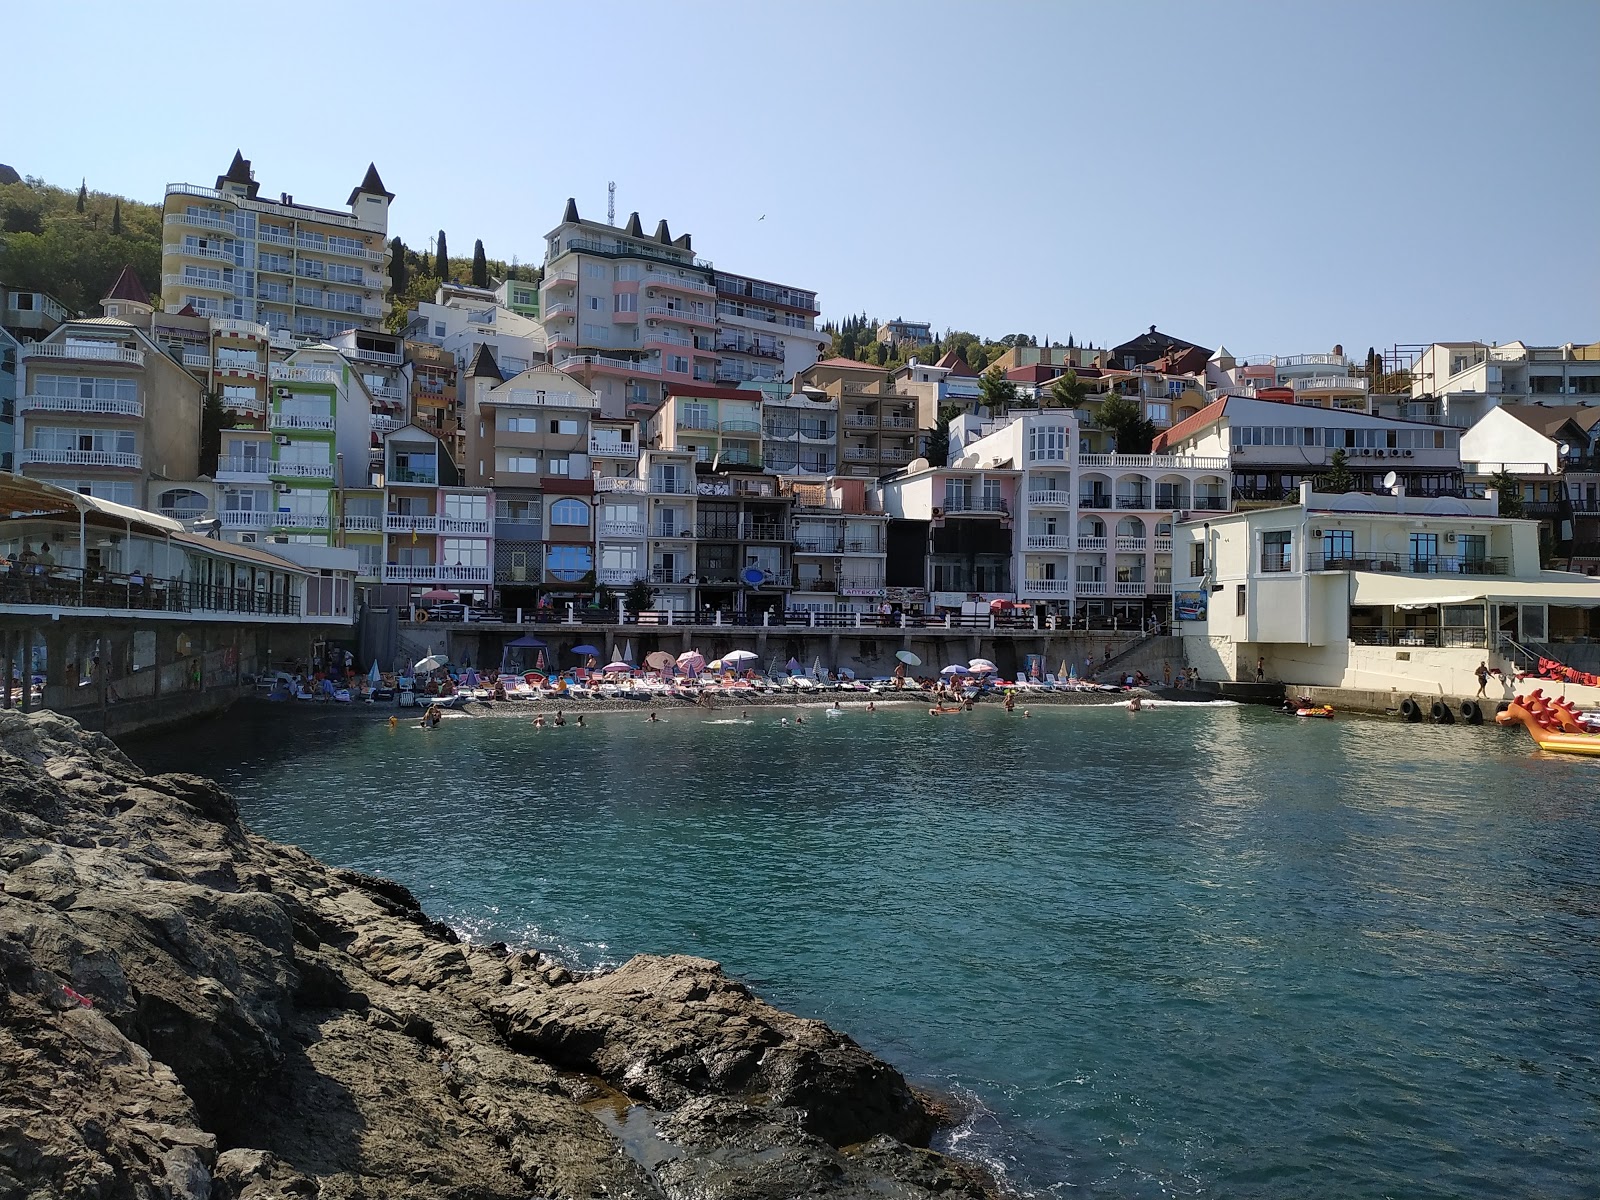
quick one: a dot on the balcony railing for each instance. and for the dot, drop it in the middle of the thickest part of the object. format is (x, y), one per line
(78, 404)
(300, 520)
(1131, 587)
(407, 523)
(657, 279)
(1049, 541)
(73, 587)
(673, 533)
(284, 373)
(622, 529)
(617, 576)
(1133, 500)
(437, 573)
(1408, 564)
(358, 524)
(377, 356)
(673, 575)
(1091, 543)
(1155, 462)
(741, 426)
(1049, 499)
(1047, 587)
(613, 449)
(84, 352)
(682, 315)
(293, 421)
(81, 458)
(198, 360)
(1163, 545)
(974, 504)
(1328, 383)
(1093, 500)
(609, 362)
(1090, 587)
(763, 531)
(463, 526)
(616, 484)
(405, 475)
(1130, 545)
(232, 469)
(239, 519)
(299, 470)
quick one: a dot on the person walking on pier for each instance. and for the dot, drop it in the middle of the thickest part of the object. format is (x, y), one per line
(1483, 677)
(1261, 670)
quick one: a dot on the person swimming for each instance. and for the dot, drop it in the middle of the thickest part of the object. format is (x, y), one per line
(652, 719)
(393, 722)
(580, 720)
(872, 706)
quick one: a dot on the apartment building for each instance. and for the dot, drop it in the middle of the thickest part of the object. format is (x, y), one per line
(1146, 348)
(306, 273)
(877, 424)
(102, 409)
(897, 332)
(1455, 383)
(280, 481)
(29, 315)
(460, 319)
(1274, 446)
(437, 532)
(766, 332)
(717, 425)
(840, 545)
(621, 520)
(951, 533)
(1094, 530)
(800, 432)
(1553, 453)
(528, 438)
(625, 312)
(434, 402)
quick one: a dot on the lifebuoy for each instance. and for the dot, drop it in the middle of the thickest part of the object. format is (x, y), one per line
(1441, 714)
(1472, 712)
(1409, 710)
(422, 616)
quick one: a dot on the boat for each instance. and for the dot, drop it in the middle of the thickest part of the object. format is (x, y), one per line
(1317, 710)
(1555, 725)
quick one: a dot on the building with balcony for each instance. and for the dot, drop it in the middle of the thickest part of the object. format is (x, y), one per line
(1398, 595)
(717, 425)
(432, 399)
(1552, 454)
(1094, 531)
(625, 312)
(305, 273)
(1146, 348)
(101, 408)
(460, 319)
(800, 432)
(1457, 382)
(840, 546)
(878, 425)
(766, 332)
(28, 315)
(667, 480)
(437, 532)
(742, 541)
(528, 437)
(900, 332)
(1274, 446)
(951, 532)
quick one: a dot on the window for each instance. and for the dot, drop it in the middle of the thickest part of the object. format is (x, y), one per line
(625, 302)
(465, 552)
(1338, 545)
(438, 329)
(677, 364)
(1424, 551)
(1277, 551)
(1239, 600)
(569, 428)
(84, 387)
(569, 512)
(620, 558)
(561, 465)
(1047, 443)
(568, 562)
(1197, 560)
(594, 271)
(466, 508)
(1473, 547)
(1160, 413)
(526, 464)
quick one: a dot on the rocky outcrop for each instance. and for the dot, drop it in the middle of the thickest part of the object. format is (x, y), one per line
(193, 1012)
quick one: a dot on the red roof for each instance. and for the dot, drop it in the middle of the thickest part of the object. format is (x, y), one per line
(1206, 416)
(1033, 373)
(847, 364)
(128, 287)
(705, 392)
(956, 366)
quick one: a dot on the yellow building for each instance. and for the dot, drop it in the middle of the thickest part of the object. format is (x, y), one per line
(303, 272)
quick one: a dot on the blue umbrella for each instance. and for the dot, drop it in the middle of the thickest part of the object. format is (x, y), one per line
(375, 675)
(594, 650)
(526, 642)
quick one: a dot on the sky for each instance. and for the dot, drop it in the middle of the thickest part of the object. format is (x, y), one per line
(1276, 177)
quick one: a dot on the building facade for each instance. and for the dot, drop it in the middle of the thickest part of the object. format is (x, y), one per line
(766, 332)
(438, 533)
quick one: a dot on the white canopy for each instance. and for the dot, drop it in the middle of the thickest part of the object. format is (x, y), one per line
(1564, 589)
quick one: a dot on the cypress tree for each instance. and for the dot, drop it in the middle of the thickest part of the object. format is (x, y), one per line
(441, 259)
(116, 219)
(397, 267)
(480, 266)
(83, 195)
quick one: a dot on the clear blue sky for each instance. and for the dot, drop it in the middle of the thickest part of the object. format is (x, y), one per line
(1275, 176)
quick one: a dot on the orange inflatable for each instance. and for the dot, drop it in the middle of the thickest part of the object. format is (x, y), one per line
(1553, 724)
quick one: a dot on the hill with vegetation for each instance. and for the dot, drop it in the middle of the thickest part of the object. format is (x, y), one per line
(856, 337)
(72, 242)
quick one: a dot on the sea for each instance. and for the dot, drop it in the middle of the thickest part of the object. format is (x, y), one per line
(1199, 951)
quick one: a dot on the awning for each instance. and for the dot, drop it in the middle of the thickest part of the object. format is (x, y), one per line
(1561, 588)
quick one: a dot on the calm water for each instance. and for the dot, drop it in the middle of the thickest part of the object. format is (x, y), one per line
(1198, 952)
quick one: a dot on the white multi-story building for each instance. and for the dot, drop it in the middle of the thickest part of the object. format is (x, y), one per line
(1455, 383)
(766, 332)
(306, 273)
(460, 319)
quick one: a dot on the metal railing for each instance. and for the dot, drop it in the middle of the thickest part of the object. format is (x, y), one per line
(1408, 564)
(966, 504)
(1447, 637)
(74, 587)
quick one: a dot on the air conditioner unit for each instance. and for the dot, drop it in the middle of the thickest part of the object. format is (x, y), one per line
(1316, 533)
(650, 293)
(1449, 537)
(284, 487)
(1410, 453)
(280, 391)
(281, 440)
(247, 537)
(651, 322)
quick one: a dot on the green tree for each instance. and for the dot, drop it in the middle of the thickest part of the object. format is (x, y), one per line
(1068, 391)
(880, 353)
(639, 596)
(939, 441)
(213, 419)
(480, 266)
(847, 345)
(83, 195)
(116, 218)
(441, 258)
(1339, 477)
(999, 393)
(1123, 417)
(399, 274)
(1508, 490)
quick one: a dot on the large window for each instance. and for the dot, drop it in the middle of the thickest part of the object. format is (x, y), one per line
(465, 552)
(84, 387)
(569, 512)
(569, 562)
(1047, 443)
(1338, 545)
(1277, 550)
(1424, 551)
(466, 508)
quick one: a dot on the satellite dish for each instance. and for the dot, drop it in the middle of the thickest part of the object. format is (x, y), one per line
(1390, 480)
(754, 576)
(1564, 449)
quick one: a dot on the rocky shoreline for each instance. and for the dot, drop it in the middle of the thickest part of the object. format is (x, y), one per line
(194, 1012)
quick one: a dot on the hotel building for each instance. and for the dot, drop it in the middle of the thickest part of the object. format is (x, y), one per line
(438, 532)
(766, 332)
(840, 545)
(877, 424)
(305, 273)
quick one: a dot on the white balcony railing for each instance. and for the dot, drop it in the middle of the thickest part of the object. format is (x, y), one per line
(1049, 541)
(294, 421)
(299, 470)
(199, 360)
(300, 520)
(1091, 543)
(436, 573)
(403, 523)
(1047, 587)
(1163, 545)
(599, 448)
(1153, 462)
(609, 362)
(656, 279)
(239, 469)
(386, 357)
(81, 458)
(249, 407)
(465, 526)
(284, 373)
(79, 404)
(622, 529)
(618, 576)
(84, 352)
(355, 524)
(1048, 499)
(1133, 587)
(1328, 383)
(682, 315)
(234, 519)
(635, 486)
(1130, 545)
(176, 250)
(236, 327)
(1089, 587)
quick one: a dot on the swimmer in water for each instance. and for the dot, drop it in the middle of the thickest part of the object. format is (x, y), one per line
(783, 720)
(872, 706)
(1026, 714)
(393, 721)
(538, 721)
(744, 714)
(799, 720)
(652, 719)
(836, 705)
(580, 720)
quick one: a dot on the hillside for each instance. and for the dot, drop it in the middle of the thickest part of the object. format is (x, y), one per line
(47, 243)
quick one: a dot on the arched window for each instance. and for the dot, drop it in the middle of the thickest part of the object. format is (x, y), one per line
(182, 503)
(569, 512)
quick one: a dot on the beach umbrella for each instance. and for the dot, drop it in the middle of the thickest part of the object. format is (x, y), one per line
(471, 679)
(981, 666)
(627, 650)
(375, 675)
(692, 661)
(440, 596)
(585, 649)
(658, 660)
(792, 666)
(538, 662)
(956, 669)
(714, 665)
(617, 667)
(738, 656)
(432, 663)
(910, 659)
(816, 669)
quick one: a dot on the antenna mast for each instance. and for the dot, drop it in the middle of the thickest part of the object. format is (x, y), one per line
(611, 203)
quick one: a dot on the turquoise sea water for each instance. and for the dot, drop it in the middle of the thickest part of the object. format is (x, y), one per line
(1201, 951)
